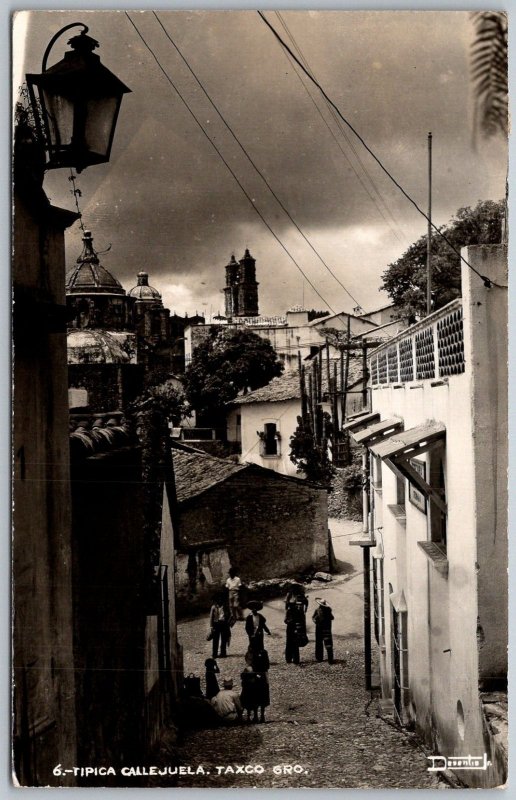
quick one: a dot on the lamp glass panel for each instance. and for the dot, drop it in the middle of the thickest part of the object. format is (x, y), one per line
(100, 116)
(60, 114)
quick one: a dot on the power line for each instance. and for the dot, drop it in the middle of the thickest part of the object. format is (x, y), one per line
(244, 191)
(342, 131)
(365, 188)
(487, 281)
(253, 164)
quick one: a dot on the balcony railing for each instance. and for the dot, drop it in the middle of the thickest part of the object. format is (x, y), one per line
(431, 349)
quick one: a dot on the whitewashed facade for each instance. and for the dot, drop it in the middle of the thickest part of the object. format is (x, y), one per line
(437, 524)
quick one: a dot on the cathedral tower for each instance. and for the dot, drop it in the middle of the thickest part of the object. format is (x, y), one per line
(241, 290)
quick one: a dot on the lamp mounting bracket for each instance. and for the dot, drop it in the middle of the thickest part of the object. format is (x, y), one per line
(56, 36)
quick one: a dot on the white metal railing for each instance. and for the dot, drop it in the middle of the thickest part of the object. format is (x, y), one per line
(432, 348)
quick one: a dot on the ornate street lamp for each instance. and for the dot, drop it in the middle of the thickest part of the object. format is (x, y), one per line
(76, 104)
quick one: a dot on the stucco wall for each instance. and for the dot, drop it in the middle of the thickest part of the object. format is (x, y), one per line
(43, 707)
(162, 689)
(442, 611)
(457, 624)
(253, 418)
(487, 345)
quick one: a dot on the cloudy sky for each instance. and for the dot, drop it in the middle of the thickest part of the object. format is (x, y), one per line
(167, 203)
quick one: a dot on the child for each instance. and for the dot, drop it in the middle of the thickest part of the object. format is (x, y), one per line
(249, 696)
(261, 666)
(212, 684)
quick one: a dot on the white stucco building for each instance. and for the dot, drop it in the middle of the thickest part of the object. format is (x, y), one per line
(436, 440)
(264, 420)
(289, 335)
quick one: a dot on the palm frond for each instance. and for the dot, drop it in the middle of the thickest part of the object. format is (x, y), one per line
(489, 71)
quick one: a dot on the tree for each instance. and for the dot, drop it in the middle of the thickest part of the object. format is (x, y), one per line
(489, 72)
(314, 314)
(226, 363)
(162, 395)
(309, 456)
(405, 279)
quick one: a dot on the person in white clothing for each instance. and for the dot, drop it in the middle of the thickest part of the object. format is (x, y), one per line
(227, 703)
(233, 585)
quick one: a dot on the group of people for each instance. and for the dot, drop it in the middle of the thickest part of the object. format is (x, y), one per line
(253, 697)
(296, 605)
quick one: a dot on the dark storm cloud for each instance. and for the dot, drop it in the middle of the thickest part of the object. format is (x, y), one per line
(167, 202)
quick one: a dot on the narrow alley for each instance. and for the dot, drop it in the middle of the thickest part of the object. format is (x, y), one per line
(322, 728)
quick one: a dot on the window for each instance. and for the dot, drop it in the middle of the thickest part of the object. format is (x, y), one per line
(270, 439)
(437, 482)
(416, 497)
(434, 547)
(238, 428)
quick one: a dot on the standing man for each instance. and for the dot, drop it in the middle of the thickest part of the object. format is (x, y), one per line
(233, 585)
(219, 627)
(295, 610)
(256, 626)
(323, 617)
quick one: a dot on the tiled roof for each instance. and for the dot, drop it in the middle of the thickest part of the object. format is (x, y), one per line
(98, 433)
(287, 387)
(196, 471)
(376, 310)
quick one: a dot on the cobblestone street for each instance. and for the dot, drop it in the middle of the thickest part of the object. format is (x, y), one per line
(322, 723)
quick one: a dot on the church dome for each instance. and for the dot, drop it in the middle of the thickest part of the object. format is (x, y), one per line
(86, 346)
(88, 276)
(143, 292)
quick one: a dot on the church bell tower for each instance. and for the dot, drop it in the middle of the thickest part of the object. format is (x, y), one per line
(241, 290)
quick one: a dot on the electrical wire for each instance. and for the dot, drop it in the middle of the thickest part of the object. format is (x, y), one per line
(253, 164)
(487, 281)
(229, 168)
(342, 131)
(357, 175)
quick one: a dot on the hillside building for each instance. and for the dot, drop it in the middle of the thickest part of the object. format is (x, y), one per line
(435, 520)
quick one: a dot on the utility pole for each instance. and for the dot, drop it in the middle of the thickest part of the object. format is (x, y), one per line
(365, 376)
(429, 236)
(367, 617)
